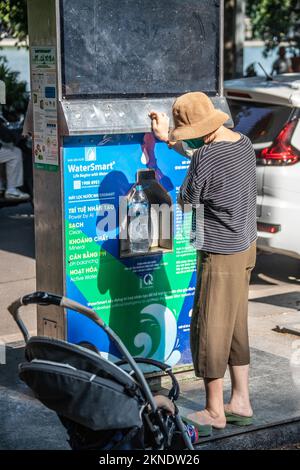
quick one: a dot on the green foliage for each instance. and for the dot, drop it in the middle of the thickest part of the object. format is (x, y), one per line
(13, 19)
(13, 23)
(16, 95)
(275, 21)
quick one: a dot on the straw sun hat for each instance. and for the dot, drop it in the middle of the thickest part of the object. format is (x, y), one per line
(195, 116)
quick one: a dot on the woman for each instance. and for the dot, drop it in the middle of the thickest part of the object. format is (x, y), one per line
(222, 177)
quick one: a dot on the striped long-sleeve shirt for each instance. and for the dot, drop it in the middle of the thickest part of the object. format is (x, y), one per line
(222, 180)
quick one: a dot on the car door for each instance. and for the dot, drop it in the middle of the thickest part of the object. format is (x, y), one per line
(261, 122)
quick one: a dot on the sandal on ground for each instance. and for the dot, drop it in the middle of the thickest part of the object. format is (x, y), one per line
(238, 420)
(204, 430)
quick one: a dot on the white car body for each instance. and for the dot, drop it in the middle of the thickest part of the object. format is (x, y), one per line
(278, 187)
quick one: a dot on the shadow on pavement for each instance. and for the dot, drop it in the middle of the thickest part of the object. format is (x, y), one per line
(274, 268)
(17, 230)
(25, 422)
(9, 371)
(287, 300)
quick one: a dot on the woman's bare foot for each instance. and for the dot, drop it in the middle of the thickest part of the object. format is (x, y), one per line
(207, 417)
(239, 409)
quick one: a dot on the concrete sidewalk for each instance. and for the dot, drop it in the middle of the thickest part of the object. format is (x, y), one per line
(17, 265)
(275, 396)
(275, 382)
(27, 424)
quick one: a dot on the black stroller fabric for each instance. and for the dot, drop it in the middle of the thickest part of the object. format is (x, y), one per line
(101, 406)
(56, 350)
(82, 386)
(92, 401)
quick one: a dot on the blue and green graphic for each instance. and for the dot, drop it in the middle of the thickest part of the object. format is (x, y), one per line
(146, 299)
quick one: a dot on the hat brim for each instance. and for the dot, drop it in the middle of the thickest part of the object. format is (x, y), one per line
(216, 119)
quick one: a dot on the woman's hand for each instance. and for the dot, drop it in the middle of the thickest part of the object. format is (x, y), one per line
(160, 125)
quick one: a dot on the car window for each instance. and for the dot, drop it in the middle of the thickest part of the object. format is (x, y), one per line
(259, 121)
(295, 141)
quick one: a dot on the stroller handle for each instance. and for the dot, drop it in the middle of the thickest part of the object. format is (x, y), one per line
(46, 298)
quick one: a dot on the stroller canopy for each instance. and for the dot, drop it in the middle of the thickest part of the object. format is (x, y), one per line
(81, 385)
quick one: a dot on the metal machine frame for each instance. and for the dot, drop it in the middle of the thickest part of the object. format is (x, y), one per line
(75, 117)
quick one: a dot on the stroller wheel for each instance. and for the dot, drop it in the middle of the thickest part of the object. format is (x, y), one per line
(90, 346)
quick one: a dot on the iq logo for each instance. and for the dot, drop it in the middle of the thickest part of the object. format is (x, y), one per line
(146, 280)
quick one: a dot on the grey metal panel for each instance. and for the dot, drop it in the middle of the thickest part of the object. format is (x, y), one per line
(47, 189)
(75, 118)
(221, 46)
(149, 48)
(2, 92)
(79, 117)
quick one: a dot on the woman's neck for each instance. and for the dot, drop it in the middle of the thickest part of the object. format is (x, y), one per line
(224, 134)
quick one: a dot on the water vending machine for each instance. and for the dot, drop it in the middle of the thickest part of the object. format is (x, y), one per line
(97, 68)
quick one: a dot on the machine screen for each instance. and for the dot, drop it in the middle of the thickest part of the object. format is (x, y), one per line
(115, 48)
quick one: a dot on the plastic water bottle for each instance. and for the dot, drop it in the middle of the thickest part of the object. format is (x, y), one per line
(138, 215)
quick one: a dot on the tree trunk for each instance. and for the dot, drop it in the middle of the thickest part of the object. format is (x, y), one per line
(234, 32)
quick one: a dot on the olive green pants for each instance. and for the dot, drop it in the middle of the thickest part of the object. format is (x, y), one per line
(219, 325)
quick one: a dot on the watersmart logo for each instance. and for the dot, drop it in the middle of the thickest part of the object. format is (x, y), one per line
(73, 168)
(90, 154)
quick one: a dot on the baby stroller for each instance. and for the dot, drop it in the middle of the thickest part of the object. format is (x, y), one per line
(103, 405)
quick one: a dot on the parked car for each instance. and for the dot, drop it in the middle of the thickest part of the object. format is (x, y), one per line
(268, 112)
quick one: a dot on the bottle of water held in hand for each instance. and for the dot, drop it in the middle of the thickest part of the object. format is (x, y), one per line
(138, 217)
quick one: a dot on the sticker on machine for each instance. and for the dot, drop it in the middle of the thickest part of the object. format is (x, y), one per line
(44, 104)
